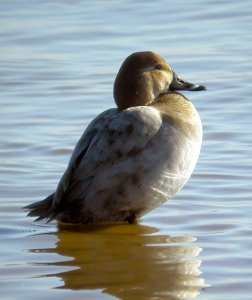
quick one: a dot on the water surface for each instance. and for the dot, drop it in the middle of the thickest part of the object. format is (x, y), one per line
(57, 66)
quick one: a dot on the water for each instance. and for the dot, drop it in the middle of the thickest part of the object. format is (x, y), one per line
(57, 65)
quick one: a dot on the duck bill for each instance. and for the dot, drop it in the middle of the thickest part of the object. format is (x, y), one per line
(180, 85)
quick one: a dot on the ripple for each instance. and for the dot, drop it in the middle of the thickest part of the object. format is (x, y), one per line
(58, 63)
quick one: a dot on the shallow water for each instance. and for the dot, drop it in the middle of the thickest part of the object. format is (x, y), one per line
(57, 65)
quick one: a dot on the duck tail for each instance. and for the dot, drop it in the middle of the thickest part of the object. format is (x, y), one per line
(41, 209)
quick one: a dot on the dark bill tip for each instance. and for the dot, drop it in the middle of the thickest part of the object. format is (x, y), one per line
(179, 84)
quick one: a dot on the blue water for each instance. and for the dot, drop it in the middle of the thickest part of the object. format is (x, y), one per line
(58, 61)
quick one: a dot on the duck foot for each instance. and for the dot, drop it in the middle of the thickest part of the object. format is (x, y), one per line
(131, 218)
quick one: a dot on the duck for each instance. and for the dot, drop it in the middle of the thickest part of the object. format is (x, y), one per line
(133, 158)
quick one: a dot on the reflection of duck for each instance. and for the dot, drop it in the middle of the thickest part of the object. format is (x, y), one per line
(133, 158)
(130, 262)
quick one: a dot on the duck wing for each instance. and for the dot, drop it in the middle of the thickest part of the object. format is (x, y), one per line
(111, 138)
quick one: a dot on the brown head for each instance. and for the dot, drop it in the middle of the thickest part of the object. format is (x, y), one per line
(142, 77)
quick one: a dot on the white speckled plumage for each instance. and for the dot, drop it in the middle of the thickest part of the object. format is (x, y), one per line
(133, 158)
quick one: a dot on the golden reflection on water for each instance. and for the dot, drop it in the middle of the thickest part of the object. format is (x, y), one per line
(129, 262)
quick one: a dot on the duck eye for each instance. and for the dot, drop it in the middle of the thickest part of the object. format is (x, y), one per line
(158, 67)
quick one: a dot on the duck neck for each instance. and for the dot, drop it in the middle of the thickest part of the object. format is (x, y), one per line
(131, 91)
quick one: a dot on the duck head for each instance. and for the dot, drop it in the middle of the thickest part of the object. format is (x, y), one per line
(144, 76)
